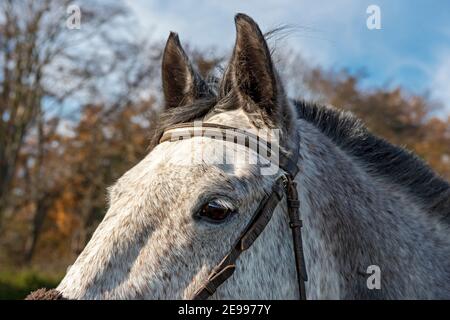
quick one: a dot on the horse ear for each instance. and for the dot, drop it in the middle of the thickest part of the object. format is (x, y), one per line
(250, 70)
(181, 84)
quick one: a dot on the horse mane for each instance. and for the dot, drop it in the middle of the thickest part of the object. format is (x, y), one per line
(396, 164)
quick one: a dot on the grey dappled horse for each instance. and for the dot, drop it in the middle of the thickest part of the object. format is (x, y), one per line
(365, 204)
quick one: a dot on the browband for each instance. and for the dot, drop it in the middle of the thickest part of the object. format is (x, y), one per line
(287, 162)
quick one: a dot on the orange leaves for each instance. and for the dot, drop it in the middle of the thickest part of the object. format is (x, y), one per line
(61, 213)
(435, 145)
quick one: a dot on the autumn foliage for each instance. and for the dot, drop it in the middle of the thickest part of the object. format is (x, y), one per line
(55, 167)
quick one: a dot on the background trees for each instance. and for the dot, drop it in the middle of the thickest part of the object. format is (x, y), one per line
(50, 76)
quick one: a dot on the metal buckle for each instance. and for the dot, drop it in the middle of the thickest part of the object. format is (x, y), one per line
(296, 224)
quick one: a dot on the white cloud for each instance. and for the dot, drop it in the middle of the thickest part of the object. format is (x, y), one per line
(440, 85)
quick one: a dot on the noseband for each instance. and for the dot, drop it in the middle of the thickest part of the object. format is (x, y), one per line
(284, 185)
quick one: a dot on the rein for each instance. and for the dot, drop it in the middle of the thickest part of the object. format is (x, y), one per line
(284, 185)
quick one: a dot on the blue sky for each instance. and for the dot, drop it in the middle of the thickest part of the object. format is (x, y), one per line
(412, 49)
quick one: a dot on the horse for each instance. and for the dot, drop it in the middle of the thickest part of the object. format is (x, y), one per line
(375, 216)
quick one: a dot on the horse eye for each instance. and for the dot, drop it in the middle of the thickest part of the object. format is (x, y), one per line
(214, 212)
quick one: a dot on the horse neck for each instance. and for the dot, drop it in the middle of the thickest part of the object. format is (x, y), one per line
(353, 220)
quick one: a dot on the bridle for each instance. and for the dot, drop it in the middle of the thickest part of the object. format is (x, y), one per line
(285, 184)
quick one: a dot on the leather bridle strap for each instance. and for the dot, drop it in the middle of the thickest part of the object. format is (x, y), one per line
(287, 162)
(293, 204)
(254, 228)
(261, 217)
